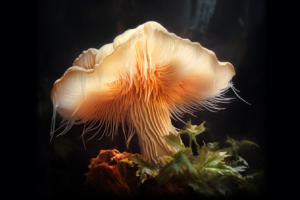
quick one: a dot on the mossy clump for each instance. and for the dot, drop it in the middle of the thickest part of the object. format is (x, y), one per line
(213, 173)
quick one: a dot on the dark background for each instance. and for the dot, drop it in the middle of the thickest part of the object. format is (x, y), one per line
(234, 29)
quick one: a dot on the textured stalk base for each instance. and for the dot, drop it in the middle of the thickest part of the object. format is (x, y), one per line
(115, 179)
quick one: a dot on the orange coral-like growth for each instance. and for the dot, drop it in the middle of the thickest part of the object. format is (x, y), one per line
(112, 178)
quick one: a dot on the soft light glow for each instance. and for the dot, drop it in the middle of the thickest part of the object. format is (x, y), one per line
(145, 77)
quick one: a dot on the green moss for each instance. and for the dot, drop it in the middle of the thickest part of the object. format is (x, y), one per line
(207, 173)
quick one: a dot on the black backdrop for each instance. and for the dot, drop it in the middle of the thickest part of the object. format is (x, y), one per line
(233, 29)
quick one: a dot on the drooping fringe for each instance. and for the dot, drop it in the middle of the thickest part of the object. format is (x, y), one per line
(234, 90)
(139, 71)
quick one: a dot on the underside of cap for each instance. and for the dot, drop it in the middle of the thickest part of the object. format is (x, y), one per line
(146, 64)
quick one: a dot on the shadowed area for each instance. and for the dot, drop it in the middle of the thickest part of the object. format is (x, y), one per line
(112, 178)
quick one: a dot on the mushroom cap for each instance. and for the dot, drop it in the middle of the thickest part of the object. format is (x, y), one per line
(148, 62)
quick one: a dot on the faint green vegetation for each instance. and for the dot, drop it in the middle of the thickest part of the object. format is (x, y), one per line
(67, 146)
(143, 168)
(211, 173)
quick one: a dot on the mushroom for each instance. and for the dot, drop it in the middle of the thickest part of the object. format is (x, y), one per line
(143, 79)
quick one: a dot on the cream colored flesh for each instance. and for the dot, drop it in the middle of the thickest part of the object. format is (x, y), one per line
(143, 79)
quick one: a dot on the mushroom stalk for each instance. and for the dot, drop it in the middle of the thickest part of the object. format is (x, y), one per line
(152, 121)
(142, 79)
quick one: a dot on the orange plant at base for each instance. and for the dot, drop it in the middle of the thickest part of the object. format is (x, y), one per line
(115, 179)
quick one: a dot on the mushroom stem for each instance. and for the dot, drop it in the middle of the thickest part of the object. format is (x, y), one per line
(152, 121)
(142, 79)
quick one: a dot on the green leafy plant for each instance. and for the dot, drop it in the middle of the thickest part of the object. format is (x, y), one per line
(239, 163)
(143, 168)
(203, 173)
(193, 131)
